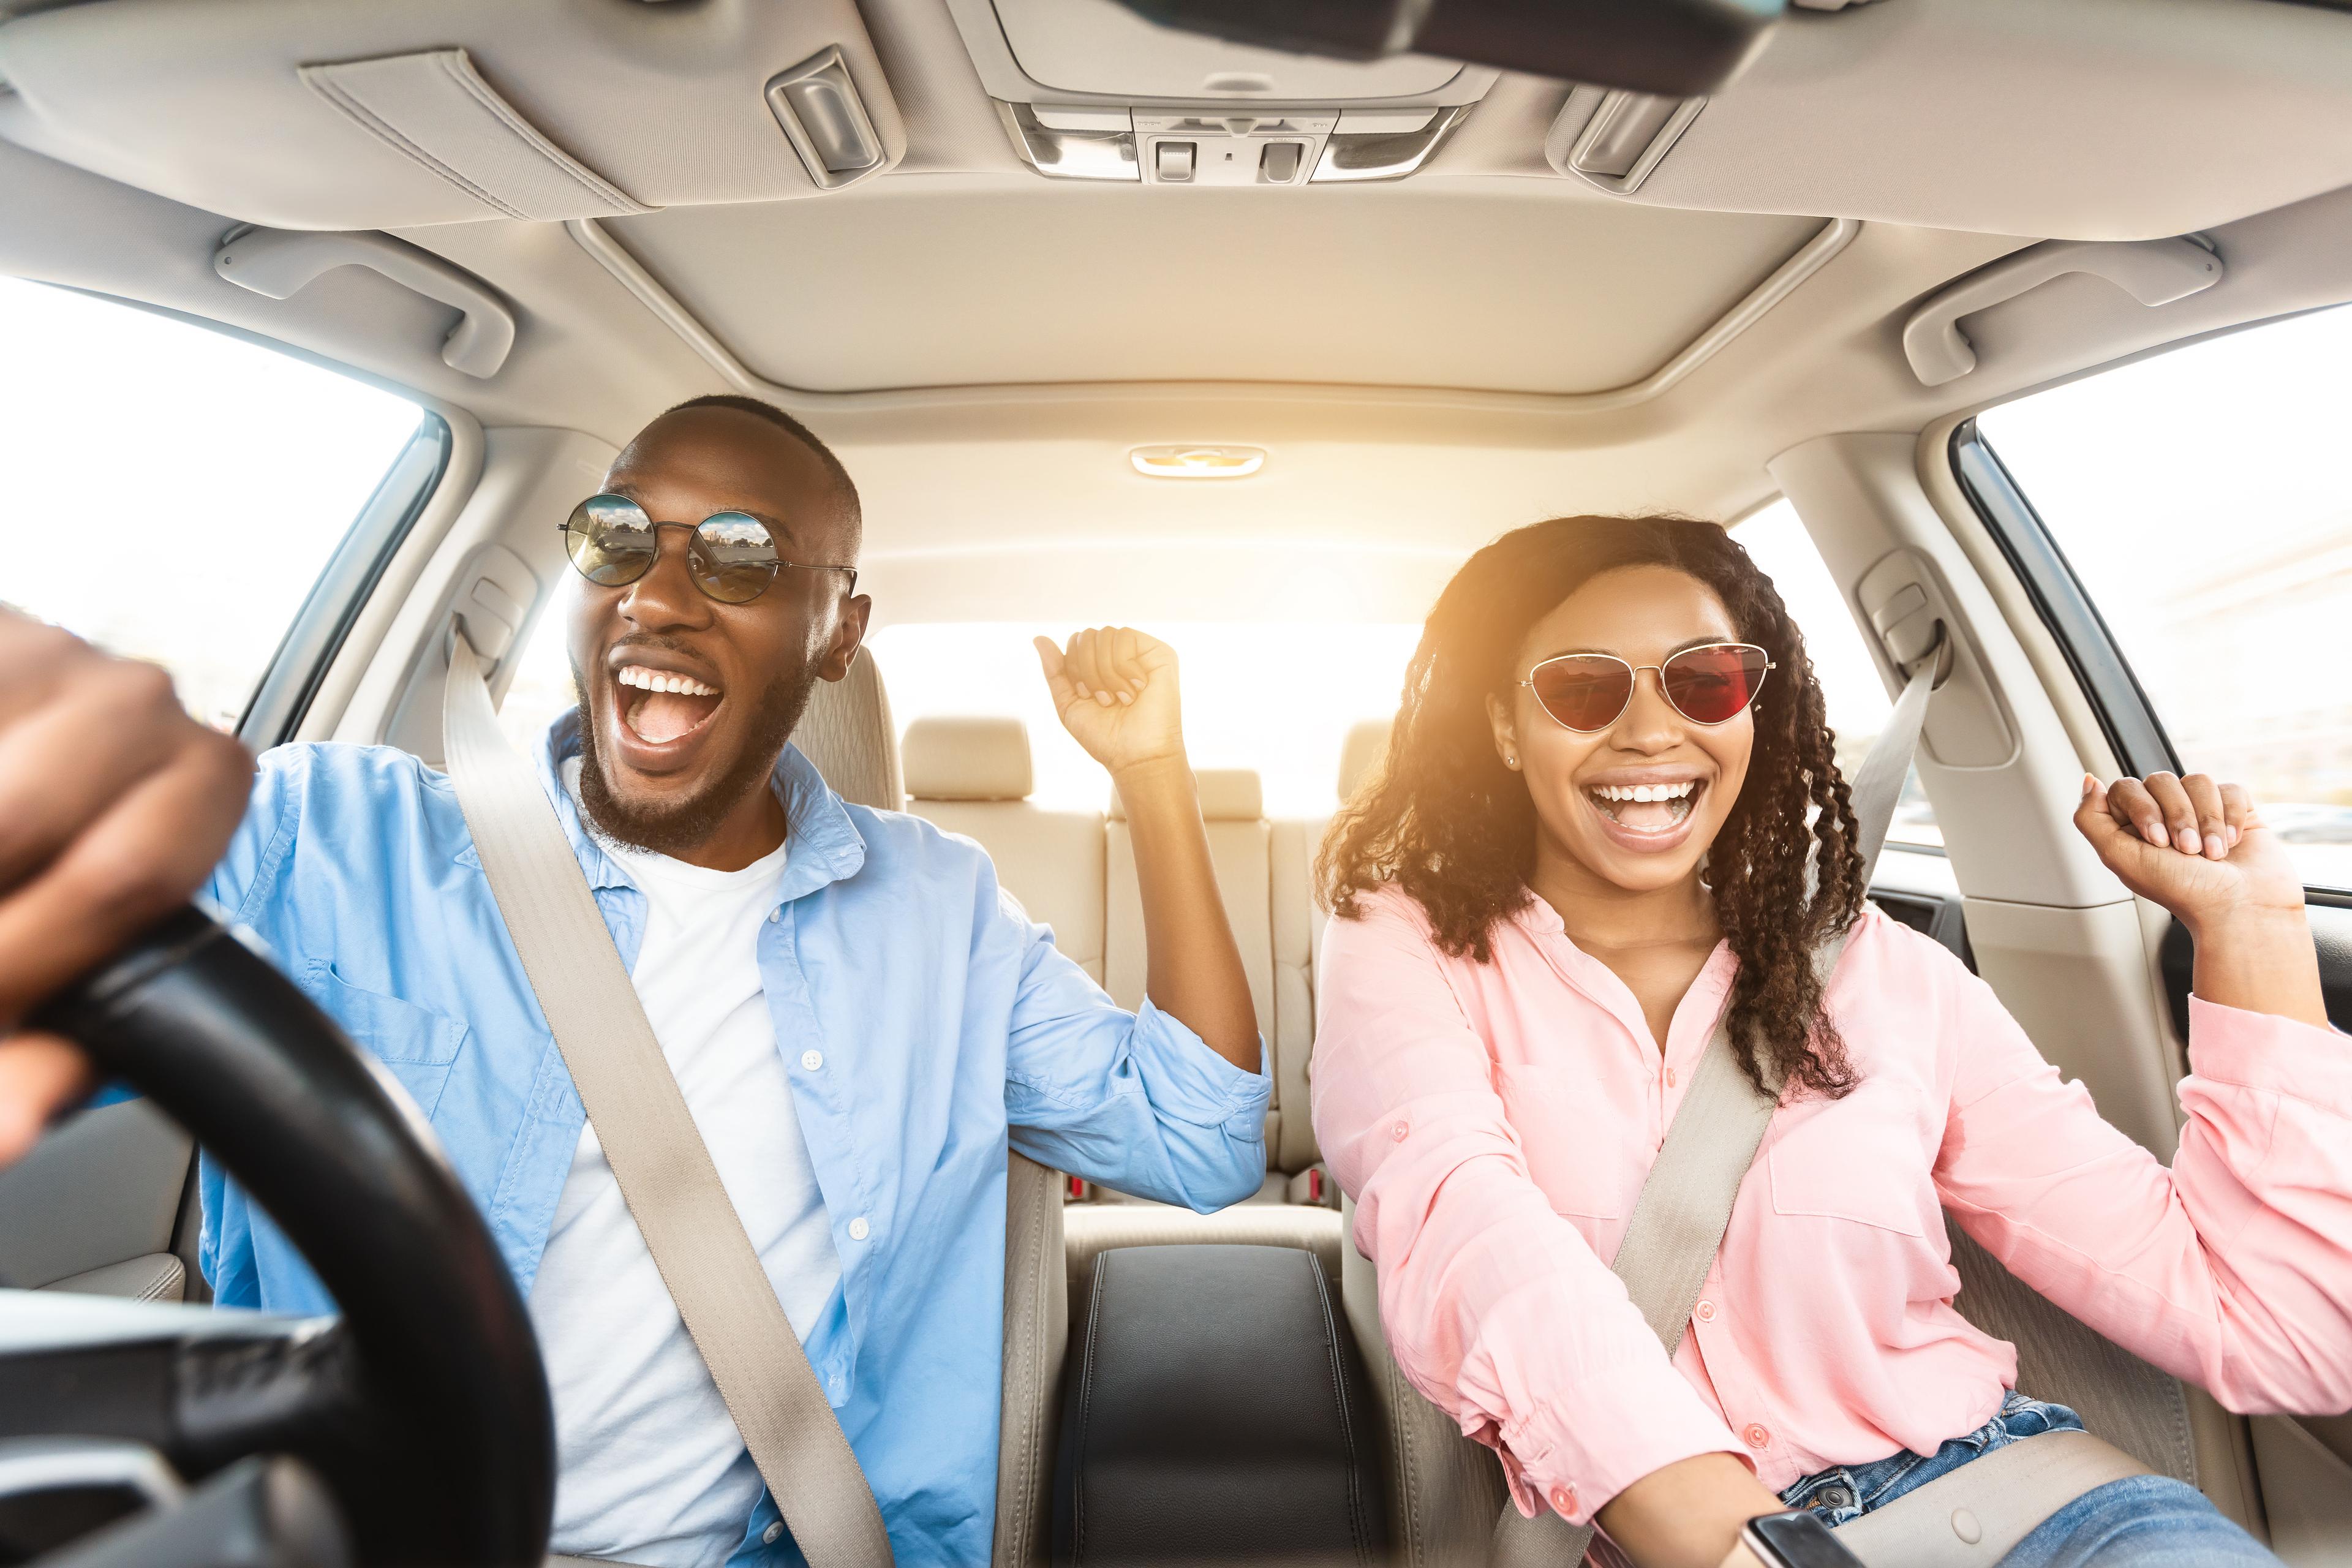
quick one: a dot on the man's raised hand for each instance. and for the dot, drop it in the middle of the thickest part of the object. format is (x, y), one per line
(1115, 689)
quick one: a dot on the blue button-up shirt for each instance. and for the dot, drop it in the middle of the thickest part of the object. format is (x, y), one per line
(947, 1023)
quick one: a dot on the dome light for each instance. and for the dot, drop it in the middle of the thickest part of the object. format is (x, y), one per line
(1197, 462)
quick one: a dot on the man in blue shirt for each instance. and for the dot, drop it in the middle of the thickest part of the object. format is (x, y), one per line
(858, 1014)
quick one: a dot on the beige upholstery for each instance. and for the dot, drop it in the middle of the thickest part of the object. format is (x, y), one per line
(1230, 803)
(1296, 920)
(1075, 872)
(1228, 795)
(960, 773)
(846, 732)
(1037, 1333)
(958, 758)
(1361, 752)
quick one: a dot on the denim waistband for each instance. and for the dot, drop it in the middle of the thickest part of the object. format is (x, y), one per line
(1845, 1492)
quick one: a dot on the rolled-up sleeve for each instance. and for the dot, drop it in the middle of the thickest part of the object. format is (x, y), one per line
(1136, 1101)
(1496, 1307)
(2233, 1267)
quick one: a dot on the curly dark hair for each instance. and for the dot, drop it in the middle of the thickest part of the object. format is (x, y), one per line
(1446, 821)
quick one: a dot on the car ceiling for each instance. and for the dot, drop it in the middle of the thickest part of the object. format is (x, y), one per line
(1426, 361)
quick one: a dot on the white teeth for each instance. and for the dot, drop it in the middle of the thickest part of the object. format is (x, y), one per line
(1645, 792)
(644, 679)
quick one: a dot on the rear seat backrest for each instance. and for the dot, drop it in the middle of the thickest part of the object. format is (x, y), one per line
(1234, 810)
(972, 775)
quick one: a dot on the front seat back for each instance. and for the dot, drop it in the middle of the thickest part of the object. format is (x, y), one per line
(845, 730)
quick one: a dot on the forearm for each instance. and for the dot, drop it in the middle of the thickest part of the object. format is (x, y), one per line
(2261, 960)
(1687, 1514)
(1192, 965)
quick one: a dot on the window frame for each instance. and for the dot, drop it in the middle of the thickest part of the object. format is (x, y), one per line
(2126, 717)
(331, 609)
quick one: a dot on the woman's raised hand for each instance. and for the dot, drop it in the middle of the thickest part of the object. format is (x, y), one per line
(1115, 689)
(2200, 849)
(2194, 846)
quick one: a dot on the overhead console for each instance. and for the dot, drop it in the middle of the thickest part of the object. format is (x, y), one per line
(1088, 91)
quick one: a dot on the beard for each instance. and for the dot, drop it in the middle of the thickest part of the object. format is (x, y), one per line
(680, 826)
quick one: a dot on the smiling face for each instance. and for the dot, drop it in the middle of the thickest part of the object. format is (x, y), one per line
(687, 701)
(1639, 803)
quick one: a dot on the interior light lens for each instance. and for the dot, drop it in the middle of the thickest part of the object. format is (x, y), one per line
(1197, 462)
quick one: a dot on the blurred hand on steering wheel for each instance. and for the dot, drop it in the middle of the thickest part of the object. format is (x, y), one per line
(114, 806)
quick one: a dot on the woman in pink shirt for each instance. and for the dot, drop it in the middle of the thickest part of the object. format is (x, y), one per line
(1542, 905)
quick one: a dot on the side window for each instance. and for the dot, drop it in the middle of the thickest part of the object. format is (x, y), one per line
(178, 491)
(1851, 688)
(2197, 501)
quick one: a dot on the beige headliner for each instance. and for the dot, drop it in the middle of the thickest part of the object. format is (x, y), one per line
(1313, 323)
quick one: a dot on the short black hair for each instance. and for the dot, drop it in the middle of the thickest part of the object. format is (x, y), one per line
(791, 426)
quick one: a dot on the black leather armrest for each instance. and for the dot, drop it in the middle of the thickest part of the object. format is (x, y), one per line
(1214, 1410)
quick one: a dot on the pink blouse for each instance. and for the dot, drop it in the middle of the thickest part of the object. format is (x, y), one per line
(1495, 1123)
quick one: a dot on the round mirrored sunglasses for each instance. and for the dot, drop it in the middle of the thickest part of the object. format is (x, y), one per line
(1710, 684)
(731, 556)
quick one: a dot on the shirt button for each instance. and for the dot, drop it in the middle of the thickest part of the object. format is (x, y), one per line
(772, 1534)
(773, 916)
(1399, 1131)
(1670, 1078)
(812, 1060)
(1706, 1313)
(859, 1229)
(1754, 1436)
(1564, 1499)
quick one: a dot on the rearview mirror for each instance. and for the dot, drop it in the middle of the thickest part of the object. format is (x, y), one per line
(1680, 49)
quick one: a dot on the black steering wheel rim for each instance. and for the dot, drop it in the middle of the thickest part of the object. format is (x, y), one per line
(217, 1037)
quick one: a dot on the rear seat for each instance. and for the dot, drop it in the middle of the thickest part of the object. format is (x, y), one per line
(972, 777)
(1075, 872)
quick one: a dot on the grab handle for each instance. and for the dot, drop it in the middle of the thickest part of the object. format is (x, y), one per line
(280, 262)
(2152, 271)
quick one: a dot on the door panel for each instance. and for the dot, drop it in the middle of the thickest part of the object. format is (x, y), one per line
(102, 1189)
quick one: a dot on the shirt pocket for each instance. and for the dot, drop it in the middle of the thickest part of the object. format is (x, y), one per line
(1855, 1159)
(1573, 1140)
(417, 1045)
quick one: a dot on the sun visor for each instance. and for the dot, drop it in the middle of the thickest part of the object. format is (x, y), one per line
(294, 115)
(437, 111)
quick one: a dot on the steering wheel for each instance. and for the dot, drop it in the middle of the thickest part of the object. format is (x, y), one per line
(425, 1408)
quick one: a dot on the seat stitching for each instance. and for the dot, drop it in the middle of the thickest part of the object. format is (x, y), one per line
(1356, 1530)
(1085, 1413)
(1033, 1433)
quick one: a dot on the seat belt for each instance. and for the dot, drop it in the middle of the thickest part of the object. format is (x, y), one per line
(1685, 1202)
(657, 1157)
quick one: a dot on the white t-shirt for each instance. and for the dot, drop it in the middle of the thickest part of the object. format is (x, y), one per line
(652, 1469)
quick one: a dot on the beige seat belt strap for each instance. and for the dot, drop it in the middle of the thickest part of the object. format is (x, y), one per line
(1975, 1516)
(655, 1152)
(1678, 1221)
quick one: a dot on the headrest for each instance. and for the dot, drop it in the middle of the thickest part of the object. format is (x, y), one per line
(1360, 753)
(966, 759)
(846, 732)
(1228, 795)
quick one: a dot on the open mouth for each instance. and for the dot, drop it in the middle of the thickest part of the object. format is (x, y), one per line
(1646, 808)
(661, 706)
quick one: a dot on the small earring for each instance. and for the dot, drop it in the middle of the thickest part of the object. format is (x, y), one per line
(1511, 761)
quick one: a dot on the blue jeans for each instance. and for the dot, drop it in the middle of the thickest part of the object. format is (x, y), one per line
(2143, 1522)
